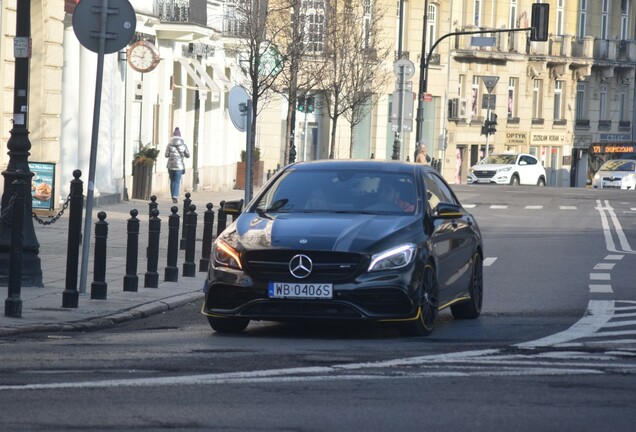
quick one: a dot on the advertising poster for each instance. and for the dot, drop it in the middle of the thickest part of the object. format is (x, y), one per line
(42, 185)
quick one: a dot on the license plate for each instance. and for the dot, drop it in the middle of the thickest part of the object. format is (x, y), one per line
(612, 184)
(482, 180)
(300, 290)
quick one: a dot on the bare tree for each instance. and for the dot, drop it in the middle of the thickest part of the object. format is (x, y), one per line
(257, 26)
(354, 74)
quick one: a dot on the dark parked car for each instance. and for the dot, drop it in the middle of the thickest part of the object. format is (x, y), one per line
(347, 240)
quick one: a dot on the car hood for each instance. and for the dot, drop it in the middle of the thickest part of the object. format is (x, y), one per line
(322, 231)
(614, 174)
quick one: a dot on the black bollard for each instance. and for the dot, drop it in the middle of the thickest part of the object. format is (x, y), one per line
(172, 271)
(186, 206)
(13, 303)
(99, 286)
(221, 221)
(152, 205)
(131, 280)
(70, 295)
(189, 267)
(151, 279)
(208, 231)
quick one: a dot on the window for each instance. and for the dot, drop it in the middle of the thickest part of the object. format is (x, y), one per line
(512, 97)
(582, 30)
(559, 17)
(366, 24)
(431, 26)
(437, 191)
(474, 103)
(460, 85)
(622, 104)
(602, 107)
(537, 99)
(604, 18)
(580, 102)
(312, 19)
(558, 100)
(477, 13)
(624, 19)
(235, 21)
(512, 22)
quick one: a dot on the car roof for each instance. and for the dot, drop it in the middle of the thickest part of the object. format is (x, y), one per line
(361, 164)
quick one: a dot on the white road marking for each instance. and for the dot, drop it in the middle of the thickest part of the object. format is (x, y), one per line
(470, 205)
(498, 207)
(533, 207)
(489, 261)
(604, 289)
(614, 257)
(600, 276)
(568, 207)
(599, 312)
(604, 266)
(607, 232)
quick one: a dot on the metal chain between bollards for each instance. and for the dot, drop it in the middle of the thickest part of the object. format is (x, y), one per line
(5, 212)
(54, 218)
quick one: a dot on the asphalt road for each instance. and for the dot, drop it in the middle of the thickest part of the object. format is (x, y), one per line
(555, 348)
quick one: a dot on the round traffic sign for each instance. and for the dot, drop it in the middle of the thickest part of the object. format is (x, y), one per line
(120, 24)
(236, 104)
(404, 66)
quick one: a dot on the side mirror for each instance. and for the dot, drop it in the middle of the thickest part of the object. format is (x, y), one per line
(233, 207)
(522, 163)
(447, 211)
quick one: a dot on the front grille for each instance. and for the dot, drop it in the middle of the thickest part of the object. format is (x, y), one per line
(231, 297)
(484, 174)
(273, 265)
(300, 309)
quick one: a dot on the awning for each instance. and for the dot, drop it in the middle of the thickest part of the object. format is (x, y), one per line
(204, 75)
(220, 76)
(201, 85)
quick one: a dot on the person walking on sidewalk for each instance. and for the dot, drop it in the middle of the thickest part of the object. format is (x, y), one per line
(175, 152)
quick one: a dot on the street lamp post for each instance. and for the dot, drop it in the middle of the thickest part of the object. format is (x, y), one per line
(419, 118)
(18, 165)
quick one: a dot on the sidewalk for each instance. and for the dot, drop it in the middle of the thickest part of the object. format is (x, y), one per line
(42, 307)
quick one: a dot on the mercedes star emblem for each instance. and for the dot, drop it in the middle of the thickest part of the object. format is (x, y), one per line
(300, 266)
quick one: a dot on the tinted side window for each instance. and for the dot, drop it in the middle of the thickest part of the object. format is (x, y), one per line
(529, 160)
(437, 190)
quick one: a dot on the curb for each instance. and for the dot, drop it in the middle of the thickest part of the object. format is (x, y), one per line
(100, 322)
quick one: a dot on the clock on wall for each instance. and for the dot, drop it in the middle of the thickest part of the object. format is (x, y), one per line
(143, 56)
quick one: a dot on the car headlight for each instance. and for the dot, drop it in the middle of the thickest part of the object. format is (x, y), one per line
(629, 178)
(596, 176)
(227, 256)
(392, 259)
(504, 169)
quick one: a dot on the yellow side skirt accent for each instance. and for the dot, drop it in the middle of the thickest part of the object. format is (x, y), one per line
(419, 311)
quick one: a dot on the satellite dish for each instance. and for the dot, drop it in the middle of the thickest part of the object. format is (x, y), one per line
(237, 106)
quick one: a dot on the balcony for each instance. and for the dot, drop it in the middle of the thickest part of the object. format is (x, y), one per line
(182, 11)
(182, 20)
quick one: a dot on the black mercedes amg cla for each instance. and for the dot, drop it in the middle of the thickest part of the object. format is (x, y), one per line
(347, 240)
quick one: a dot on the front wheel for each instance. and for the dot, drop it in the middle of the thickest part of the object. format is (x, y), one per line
(228, 325)
(471, 308)
(424, 323)
(514, 181)
(541, 182)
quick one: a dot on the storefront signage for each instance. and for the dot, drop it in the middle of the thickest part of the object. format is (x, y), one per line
(547, 138)
(614, 137)
(516, 138)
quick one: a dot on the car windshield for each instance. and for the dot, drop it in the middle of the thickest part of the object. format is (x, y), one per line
(619, 165)
(339, 191)
(504, 159)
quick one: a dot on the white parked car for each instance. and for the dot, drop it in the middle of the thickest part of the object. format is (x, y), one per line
(616, 174)
(514, 169)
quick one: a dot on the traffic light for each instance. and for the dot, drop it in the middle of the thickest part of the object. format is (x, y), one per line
(539, 21)
(301, 103)
(491, 129)
(309, 104)
(488, 128)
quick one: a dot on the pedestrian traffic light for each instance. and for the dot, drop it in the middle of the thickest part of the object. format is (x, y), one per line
(301, 103)
(539, 21)
(309, 104)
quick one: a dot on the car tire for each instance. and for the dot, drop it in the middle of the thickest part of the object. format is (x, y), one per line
(471, 308)
(228, 325)
(424, 323)
(514, 180)
(541, 182)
